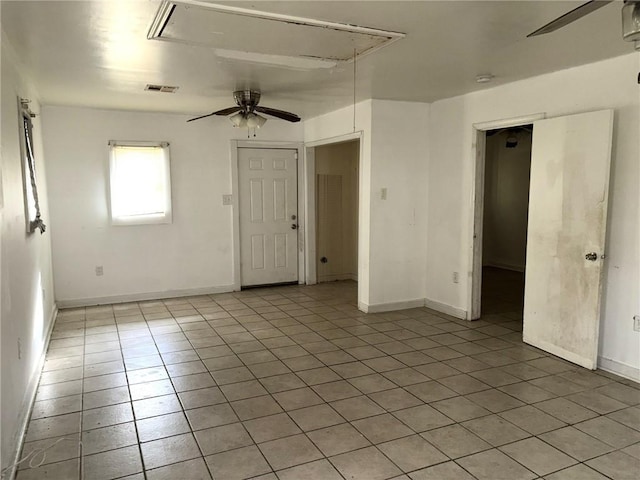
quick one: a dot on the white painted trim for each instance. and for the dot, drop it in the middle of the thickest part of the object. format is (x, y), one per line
(509, 122)
(267, 144)
(154, 31)
(619, 368)
(446, 308)
(337, 139)
(338, 277)
(311, 277)
(474, 293)
(235, 187)
(560, 352)
(27, 407)
(235, 205)
(478, 148)
(391, 306)
(302, 214)
(139, 297)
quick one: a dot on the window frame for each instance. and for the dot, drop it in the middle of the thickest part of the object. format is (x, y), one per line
(33, 218)
(142, 219)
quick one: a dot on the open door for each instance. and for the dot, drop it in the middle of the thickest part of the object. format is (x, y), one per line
(566, 234)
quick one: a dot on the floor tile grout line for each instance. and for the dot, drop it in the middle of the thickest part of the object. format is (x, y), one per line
(408, 435)
(191, 431)
(135, 424)
(344, 378)
(81, 468)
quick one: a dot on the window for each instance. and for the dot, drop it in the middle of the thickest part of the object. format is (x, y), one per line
(31, 204)
(140, 183)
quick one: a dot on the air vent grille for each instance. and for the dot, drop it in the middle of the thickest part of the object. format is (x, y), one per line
(161, 88)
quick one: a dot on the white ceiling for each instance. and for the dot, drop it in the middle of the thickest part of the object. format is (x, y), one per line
(96, 53)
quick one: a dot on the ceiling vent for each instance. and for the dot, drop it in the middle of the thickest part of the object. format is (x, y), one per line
(161, 88)
(264, 34)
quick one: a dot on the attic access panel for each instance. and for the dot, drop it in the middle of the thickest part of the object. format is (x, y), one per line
(243, 30)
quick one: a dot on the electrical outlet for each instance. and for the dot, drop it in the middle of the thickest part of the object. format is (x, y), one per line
(636, 323)
(99, 271)
(456, 277)
(19, 348)
(227, 199)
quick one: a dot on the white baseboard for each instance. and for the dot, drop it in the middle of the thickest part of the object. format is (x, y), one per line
(138, 297)
(29, 398)
(619, 368)
(337, 277)
(445, 308)
(391, 306)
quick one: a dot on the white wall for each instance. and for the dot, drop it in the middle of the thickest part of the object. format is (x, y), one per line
(506, 201)
(193, 254)
(399, 161)
(392, 232)
(607, 84)
(27, 306)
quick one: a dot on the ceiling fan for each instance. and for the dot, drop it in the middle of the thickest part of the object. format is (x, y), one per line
(630, 19)
(245, 115)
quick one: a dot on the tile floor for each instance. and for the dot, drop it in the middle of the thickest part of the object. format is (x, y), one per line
(295, 383)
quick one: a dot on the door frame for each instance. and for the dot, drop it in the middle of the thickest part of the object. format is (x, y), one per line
(476, 219)
(311, 277)
(235, 202)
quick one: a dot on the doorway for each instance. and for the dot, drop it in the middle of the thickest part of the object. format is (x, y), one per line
(336, 181)
(507, 171)
(268, 215)
(566, 231)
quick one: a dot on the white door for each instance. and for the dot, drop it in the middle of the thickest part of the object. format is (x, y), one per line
(329, 244)
(268, 215)
(565, 243)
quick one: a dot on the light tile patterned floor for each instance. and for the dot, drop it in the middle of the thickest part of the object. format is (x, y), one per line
(295, 383)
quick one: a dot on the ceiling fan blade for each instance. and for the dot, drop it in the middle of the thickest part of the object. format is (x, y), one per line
(224, 112)
(569, 17)
(288, 116)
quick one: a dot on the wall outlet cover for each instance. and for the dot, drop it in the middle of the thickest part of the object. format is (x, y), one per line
(227, 199)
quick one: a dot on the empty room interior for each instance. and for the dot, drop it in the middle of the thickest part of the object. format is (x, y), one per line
(320, 240)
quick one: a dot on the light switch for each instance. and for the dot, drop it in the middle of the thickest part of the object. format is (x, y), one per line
(383, 193)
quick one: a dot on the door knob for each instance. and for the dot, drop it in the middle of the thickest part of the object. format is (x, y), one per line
(294, 226)
(591, 256)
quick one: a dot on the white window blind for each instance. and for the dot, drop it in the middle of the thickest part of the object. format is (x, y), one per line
(140, 183)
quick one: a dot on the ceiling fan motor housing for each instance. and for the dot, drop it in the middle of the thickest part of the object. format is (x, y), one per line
(247, 99)
(631, 22)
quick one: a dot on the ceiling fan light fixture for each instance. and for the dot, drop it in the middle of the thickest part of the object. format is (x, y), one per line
(255, 121)
(238, 120)
(631, 22)
(512, 141)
